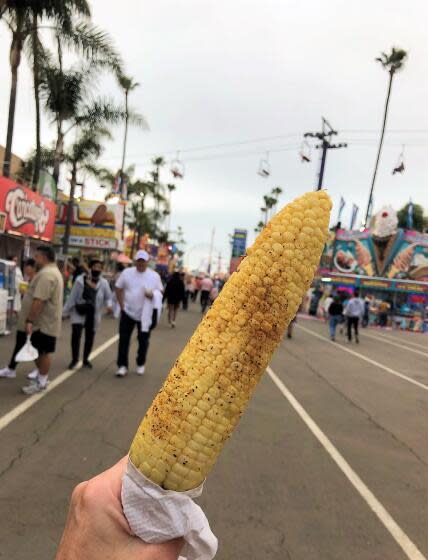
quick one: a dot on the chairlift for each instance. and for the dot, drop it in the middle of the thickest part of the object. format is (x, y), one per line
(305, 152)
(399, 166)
(264, 167)
(177, 167)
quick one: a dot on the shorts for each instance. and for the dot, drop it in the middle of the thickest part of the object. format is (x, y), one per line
(44, 343)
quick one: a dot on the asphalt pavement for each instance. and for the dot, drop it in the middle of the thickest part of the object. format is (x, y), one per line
(330, 462)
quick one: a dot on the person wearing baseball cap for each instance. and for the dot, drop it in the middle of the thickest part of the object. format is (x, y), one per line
(135, 286)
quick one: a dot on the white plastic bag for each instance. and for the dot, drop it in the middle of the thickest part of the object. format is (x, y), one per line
(27, 353)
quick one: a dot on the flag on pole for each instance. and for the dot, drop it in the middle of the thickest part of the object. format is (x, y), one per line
(410, 215)
(354, 215)
(117, 184)
(124, 189)
(341, 207)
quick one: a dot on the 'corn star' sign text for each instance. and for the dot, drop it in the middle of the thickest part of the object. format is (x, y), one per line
(22, 211)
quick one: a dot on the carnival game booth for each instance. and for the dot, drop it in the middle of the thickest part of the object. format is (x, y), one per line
(27, 220)
(407, 299)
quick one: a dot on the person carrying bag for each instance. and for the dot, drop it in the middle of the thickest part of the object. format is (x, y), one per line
(89, 296)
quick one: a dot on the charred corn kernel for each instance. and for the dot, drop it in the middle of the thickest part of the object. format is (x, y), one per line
(212, 381)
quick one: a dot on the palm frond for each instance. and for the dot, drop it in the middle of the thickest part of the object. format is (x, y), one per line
(94, 44)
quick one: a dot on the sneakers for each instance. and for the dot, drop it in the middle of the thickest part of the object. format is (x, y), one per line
(33, 374)
(72, 365)
(8, 373)
(122, 371)
(87, 364)
(35, 386)
(173, 325)
(140, 370)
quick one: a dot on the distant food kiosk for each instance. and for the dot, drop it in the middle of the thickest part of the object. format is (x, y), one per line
(408, 299)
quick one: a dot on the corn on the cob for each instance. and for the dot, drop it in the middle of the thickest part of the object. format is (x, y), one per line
(212, 381)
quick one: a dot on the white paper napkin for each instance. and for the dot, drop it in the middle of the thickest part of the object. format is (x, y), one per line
(157, 515)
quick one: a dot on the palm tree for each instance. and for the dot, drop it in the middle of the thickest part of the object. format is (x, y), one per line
(81, 156)
(21, 16)
(127, 84)
(392, 63)
(66, 96)
(65, 91)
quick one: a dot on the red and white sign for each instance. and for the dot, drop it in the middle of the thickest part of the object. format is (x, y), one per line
(93, 242)
(26, 212)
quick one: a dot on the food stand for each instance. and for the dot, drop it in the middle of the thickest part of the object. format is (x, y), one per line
(27, 219)
(387, 264)
(408, 299)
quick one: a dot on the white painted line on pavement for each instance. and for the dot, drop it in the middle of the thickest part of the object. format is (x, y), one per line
(408, 547)
(365, 358)
(30, 401)
(382, 335)
(397, 344)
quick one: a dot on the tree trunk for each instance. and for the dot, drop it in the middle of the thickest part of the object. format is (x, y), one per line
(36, 79)
(58, 153)
(125, 138)
(15, 59)
(67, 229)
(385, 116)
(59, 146)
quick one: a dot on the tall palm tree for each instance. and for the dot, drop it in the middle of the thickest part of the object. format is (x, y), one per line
(21, 16)
(81, 156)
(66, 97)
(128, 84)
(392, 63)
(66, 90)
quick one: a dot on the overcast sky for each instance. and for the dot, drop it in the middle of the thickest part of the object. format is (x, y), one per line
(226, 71)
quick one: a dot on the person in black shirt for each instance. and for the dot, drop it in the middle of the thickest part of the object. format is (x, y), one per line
(174, 295)
(335, 313)
(78, 269)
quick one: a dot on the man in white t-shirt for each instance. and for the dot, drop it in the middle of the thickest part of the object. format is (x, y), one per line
(133, 286)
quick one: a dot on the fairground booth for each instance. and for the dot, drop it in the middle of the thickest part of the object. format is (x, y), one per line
(388, 264)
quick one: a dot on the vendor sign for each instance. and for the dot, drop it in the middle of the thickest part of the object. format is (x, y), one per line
(239, 246)
(94, 224)
(384, 250)
(25, 211)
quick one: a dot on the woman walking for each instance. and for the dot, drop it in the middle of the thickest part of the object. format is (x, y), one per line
(89, 296)
(174, 295)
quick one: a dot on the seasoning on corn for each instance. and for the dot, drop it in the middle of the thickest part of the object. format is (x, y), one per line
(212, 381)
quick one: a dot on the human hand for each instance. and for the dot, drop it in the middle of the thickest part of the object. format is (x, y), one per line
(149, 294)
(109, 310)
(29, 328)
(96, 528)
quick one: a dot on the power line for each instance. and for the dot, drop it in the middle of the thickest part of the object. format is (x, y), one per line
(270, 139)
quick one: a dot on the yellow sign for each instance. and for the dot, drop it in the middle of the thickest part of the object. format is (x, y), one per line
(93, 223)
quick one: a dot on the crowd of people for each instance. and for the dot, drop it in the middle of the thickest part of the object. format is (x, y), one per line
(134, 295)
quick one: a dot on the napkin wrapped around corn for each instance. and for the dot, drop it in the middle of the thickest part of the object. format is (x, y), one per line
(212, 381)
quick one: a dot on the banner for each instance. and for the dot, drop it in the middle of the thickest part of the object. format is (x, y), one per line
(239, 246)
(403, 255)
(25, 211)
(46, 185)
(93, 224)
(354, 216)
(410, 215)
(341, 207)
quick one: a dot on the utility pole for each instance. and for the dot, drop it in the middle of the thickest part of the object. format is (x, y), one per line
(210, 256)
(325, 137)
(219, 263)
